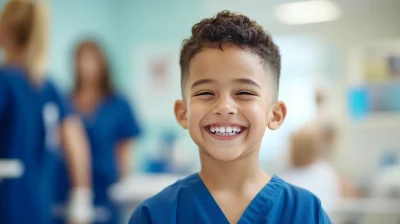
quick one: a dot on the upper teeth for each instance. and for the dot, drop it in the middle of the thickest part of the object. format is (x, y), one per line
(225, 129)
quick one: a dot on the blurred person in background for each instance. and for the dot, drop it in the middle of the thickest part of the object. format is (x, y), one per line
(325, 120)
(328, 127)
(34, 122)
(310, 169)
(110, 124)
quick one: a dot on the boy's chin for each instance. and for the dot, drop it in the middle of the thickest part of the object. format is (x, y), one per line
(225, 155)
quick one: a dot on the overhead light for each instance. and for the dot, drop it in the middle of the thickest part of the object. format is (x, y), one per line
(305, 12)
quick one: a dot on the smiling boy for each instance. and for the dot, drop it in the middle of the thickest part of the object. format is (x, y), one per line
(229, 77)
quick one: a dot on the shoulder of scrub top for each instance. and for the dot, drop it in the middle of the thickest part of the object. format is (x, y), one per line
(119, 98)
(305, 202)
(166, 199)
(14, 73)
(123, 103)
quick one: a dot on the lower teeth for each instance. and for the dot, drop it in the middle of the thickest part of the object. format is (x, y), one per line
(225, 134)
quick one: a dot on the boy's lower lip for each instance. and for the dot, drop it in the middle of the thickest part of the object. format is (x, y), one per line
(222, 137)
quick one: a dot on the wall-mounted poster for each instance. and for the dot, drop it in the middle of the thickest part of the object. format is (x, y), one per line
(156, 81)
(377, 98)
(155, 87)
(381, 63)
(378, 88)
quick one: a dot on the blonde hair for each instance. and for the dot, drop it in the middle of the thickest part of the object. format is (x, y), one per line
(27, 22)
(305, 146)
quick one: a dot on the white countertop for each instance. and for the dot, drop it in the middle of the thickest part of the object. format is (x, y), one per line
(141, 186)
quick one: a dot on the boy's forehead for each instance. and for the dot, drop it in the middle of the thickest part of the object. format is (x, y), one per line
(231, 59)
(230, 63)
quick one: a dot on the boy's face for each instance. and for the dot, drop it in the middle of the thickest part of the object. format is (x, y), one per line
(227, 105)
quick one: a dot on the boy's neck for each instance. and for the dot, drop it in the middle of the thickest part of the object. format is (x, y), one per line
(233, 175)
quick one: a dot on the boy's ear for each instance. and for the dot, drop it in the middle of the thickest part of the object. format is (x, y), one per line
(277, 115)
(180, 113)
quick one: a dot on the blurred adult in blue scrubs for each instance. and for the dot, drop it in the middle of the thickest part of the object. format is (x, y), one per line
(34, 121)
(110, 123)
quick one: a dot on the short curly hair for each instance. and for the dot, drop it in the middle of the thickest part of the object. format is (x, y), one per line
(228, 27)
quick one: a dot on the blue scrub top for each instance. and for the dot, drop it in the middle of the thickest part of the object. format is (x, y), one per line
(110, 123)
(30, 117)
(189, 201)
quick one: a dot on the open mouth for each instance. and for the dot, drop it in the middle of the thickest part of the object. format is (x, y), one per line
(225, 130)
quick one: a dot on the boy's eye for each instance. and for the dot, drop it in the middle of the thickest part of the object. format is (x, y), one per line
(245, 93)
(204, 93)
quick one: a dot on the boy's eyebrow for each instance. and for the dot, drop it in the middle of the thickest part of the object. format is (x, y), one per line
(243, 81)
(201, 81)
(248, 81)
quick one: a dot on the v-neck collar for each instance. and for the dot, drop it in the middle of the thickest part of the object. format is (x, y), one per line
(90, 117)
(257, 208)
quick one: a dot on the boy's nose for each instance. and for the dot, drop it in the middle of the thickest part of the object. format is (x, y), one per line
(224, 107)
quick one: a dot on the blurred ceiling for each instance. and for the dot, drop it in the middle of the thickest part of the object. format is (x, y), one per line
(360, 18)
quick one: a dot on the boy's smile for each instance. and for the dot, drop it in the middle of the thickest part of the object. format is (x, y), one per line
(225, 131)
(228, 102)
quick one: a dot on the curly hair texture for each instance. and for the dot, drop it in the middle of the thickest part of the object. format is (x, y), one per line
(231, 28)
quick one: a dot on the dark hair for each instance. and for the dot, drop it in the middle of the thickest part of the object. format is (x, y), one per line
(106, 86)
(228, 27)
